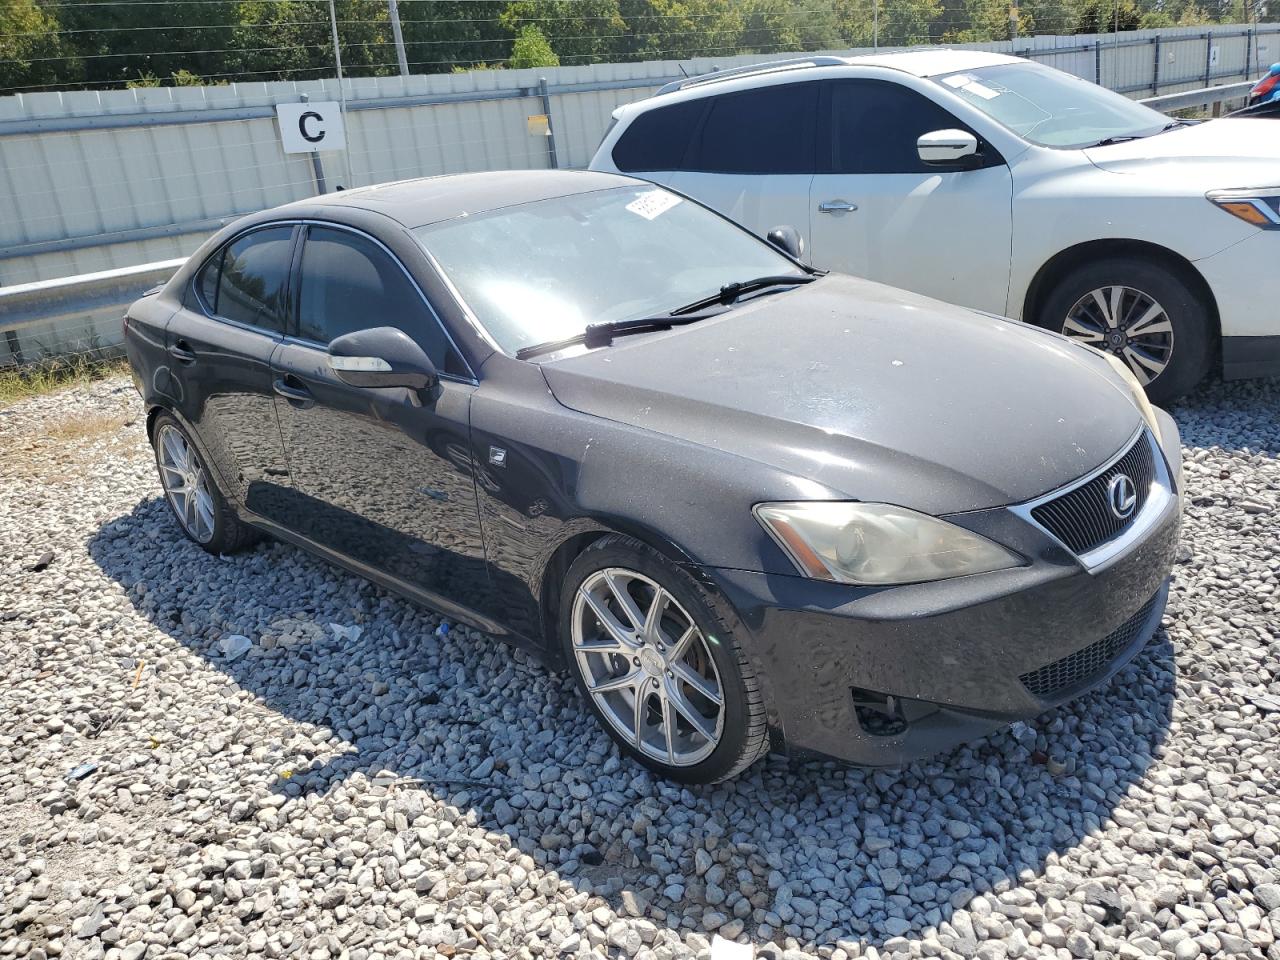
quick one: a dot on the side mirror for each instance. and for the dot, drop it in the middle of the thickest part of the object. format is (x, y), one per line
(381, 357)
(947, 148)
(788, 240)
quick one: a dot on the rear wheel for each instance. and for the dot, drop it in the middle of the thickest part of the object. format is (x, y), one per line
(661, 672)
(1141, 312)
(197, 504)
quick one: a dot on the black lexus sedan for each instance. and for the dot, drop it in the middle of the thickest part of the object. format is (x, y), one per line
(748, 505)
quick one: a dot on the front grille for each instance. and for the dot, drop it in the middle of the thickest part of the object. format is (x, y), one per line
(1083, 664)
(1082, 518)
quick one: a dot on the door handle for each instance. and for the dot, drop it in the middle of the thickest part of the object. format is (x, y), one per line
(837, 206)
(181, 351)
(299, 396)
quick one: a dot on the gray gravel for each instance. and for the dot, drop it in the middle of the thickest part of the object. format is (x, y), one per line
(399, 794)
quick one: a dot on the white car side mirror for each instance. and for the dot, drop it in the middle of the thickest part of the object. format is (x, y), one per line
(946, 147)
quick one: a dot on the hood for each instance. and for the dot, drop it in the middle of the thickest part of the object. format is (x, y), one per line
(1230, 152)
(871, 392)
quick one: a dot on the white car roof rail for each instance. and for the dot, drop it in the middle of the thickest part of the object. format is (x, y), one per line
(768, 66)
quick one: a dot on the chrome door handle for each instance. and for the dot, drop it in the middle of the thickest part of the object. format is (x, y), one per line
(837, 206)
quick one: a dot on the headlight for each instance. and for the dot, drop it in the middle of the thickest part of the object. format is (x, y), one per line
(877, 544)
(1138, 394)
(1260, 207)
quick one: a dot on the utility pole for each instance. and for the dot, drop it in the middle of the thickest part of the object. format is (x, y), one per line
(394, 13)
(875, 25)
(342, 89)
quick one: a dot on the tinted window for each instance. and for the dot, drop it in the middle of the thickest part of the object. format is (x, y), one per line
(657, 140)
(253, 279)
(875, 125)
(768, 130)
(349, 283)
(207, 281)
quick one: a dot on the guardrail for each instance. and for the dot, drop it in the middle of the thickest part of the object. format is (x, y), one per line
(46, 301)
(1204, 97)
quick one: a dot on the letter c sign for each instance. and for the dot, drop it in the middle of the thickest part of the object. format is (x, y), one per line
(319, 123)
(310, 127)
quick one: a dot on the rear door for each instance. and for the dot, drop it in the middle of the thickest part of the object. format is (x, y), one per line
(879, 212)
(381, 476)
(752, 156)
(219, 347)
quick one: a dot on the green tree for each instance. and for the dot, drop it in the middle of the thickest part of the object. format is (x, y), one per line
(116, 43)
(31, 50)
(1105, 16)
(902, 23)
(292, 40)
(441, 35)
(581, 31)
(532, 50)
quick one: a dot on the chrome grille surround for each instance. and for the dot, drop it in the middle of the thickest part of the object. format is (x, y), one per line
(1065, 514)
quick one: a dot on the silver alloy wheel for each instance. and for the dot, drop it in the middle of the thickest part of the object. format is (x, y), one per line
(185, 483)
(1126, 322)
(648, 667)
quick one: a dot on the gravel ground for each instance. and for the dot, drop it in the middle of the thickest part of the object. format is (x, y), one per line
(396, 794)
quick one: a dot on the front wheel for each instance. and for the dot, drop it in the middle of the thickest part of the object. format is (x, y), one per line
(1141, 312)
(660, 670)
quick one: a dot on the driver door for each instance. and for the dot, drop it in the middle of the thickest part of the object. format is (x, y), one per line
(380, 476)
(880, 212)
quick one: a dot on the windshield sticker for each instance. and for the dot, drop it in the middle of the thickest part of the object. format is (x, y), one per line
(968, 83)
(653, 203)
(981, 90)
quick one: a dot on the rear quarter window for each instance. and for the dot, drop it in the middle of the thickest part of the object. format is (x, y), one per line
(658, 139)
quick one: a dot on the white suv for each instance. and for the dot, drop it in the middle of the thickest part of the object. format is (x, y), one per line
(995, 183)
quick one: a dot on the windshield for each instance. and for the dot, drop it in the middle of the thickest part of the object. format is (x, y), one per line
(1052, 108)
(545, 270)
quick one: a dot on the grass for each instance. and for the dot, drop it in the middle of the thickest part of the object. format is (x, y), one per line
(46, 376)
(85, 426)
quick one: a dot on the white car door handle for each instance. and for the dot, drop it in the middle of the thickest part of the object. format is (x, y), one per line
(837, 206)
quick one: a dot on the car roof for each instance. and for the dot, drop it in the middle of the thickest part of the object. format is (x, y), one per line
(929, 62)
(416, 203)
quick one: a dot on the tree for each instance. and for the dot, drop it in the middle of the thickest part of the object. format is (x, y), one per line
(31, 51)
(902, 23)
(532, 50)
(580, 31)
(443, 35)
(1106, 16)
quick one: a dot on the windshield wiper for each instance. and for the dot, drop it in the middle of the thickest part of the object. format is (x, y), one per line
(730, 292)
(1124, 138)
(602, 334)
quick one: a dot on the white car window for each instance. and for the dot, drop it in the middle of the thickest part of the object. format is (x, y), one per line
(1052, 108)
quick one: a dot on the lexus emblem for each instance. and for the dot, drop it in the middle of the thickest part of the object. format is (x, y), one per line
(1122, 495)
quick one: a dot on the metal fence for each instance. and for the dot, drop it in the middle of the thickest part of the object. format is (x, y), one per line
(92, 181)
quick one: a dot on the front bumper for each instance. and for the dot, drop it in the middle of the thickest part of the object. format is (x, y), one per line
(881, 677)
(1246, 292)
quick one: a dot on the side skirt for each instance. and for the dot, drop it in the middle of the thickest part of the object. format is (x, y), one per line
(432, 601)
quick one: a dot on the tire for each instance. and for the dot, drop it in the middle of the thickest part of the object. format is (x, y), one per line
(1186, 350)
(675, 666)
(206, 518)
